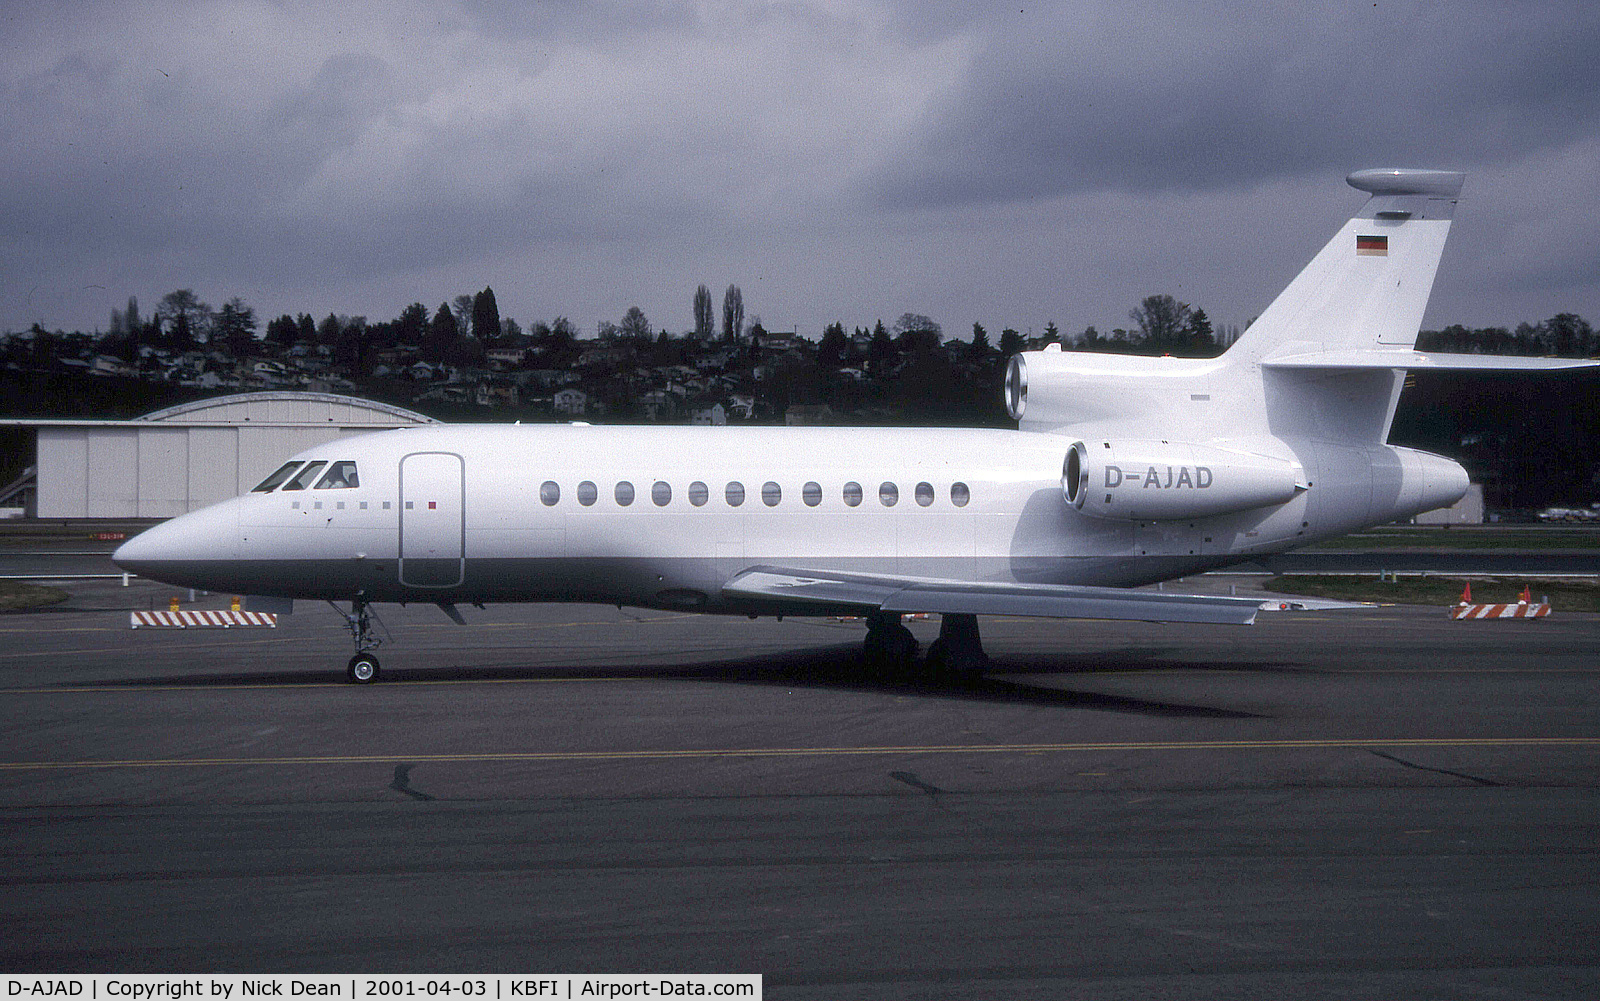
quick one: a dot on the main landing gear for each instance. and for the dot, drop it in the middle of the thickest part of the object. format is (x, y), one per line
(363, 667)
(959, 649)
(891, 649)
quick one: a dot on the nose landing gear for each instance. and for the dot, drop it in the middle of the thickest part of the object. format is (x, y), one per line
(363, 667)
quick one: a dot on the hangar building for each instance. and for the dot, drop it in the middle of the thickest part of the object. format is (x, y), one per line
(183, 458)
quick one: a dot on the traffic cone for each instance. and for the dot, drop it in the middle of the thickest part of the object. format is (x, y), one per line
(1466, 594)
(1526, 598)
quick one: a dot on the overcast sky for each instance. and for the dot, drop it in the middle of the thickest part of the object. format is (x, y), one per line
(837, 159)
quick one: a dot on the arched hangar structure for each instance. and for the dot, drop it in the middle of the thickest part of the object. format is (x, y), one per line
(185, 457)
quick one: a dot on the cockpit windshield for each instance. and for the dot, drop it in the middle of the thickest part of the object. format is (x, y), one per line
(341, 476)
(306, 476)
(271, 483)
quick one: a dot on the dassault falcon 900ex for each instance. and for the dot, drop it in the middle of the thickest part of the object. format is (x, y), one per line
(1123, 471)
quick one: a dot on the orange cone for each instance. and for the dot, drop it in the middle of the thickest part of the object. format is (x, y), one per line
(1526, 597)
(1466, 594)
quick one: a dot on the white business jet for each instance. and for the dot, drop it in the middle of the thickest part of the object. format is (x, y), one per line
(1123, 471)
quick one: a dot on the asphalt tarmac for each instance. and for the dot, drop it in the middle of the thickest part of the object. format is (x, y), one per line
(1353, 804)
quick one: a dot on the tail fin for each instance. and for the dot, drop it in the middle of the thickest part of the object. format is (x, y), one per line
(1368, 287)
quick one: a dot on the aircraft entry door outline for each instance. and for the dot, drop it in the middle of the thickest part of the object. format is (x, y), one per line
(433, 527)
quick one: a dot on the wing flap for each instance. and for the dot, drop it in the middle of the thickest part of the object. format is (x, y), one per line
(818, 591)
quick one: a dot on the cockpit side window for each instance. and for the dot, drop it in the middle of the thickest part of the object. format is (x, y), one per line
(279, 475)
(307, 475)
(340, 476)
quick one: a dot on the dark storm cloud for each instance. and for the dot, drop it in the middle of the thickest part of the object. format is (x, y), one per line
(837, 158)
(1188, 98)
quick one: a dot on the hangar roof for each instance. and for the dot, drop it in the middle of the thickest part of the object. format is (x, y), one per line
(287, 407)
(270, 409)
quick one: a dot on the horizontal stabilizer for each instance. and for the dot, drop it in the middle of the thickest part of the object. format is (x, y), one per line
(1425, 360)
(802, 591)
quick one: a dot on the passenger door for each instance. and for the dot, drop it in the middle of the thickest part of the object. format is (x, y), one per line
(432, 519)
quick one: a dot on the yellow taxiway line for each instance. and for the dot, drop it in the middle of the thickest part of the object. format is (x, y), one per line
(524, 757)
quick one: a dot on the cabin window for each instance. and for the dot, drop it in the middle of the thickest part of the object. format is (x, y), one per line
(888, 494)
(852, 494)
(661, 493)
(549, 493)
(305, 476)
(624, 493)
(734, 493)
(811, 493)
(699, 493)
(771, 494)
(340, 476)
(278, 476)
(959, 494)
(588, 493)
(924, 494)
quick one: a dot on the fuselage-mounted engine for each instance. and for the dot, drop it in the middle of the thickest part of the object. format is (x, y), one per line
(1155, 480)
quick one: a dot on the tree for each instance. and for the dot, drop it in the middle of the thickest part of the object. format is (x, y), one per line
(282, 331)
(412, 326)
(187, 318)
(1567, 335)
(461, 308)
(835, 346)
(1052, 334)
(1162, 320)
(979, 351)
(634, 323)
(704, 319)
(328, 330)
(881, 353)
(916, 333)
(485, 316)
(236, 326)
(442, 333)
(1198, 331)
(308, 327)
(732, 314)
(1011, 343)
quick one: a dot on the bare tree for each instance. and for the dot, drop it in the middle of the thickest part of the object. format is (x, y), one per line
(634, 323)
(461, 307)
(1161, 319)
(732, 314)
(186, 318)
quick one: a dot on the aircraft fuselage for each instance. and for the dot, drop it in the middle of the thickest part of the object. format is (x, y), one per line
(664, 516)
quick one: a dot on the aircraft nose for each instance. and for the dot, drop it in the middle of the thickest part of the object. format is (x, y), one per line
(181, 550)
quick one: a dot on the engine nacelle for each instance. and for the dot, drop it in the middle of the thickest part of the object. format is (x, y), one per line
(1138, 480)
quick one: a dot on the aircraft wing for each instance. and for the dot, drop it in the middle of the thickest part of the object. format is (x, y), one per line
(803, 591)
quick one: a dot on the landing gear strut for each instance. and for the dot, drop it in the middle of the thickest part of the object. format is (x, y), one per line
(959, 649)
(889, 646)
(363, 667)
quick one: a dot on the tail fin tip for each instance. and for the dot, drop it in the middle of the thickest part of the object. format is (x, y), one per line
(1408, 181)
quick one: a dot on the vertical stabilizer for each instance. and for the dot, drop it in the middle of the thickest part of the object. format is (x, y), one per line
(1365, 292)
(1369, 286)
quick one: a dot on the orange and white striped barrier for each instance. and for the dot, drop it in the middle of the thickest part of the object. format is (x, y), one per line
(202, 619)
(1525, 608)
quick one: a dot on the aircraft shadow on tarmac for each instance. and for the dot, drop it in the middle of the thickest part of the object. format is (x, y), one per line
(838, 668)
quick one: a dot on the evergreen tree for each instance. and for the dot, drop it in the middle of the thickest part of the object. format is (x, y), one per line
(485, 317)
(834, 347)
(979, 351)
(442, 334)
